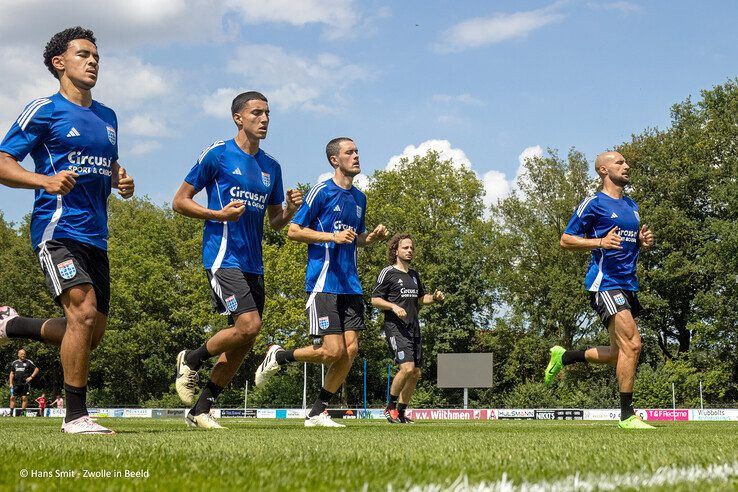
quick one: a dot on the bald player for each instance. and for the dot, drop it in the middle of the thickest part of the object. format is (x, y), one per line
(607, 224)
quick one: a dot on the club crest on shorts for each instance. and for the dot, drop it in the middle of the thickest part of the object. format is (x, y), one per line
(111, 134)
(231, 303)
(265, 178)
(401, 355)
(67, 269)
(619, 299)
(324, 322)
(358, 211)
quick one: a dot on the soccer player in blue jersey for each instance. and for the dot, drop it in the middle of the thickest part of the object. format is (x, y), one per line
(243, 183)
(608, 224)
(73, 142)
(331, 222)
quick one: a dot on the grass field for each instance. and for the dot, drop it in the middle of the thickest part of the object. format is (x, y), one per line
(373, 455)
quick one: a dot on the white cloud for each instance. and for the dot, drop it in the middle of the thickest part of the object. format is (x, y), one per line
(143, 147)
(361, 181)
(443, 147)
(467, 99)
(341, 17)
(145, 125)
(127, 82)
(622, 7)
(288, 80)
(499, 27)
(496, 187)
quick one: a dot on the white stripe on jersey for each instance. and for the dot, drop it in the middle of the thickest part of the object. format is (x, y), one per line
(30, 108)
(205, 151)
(598, 279)
(383, 274)
(584, 204)
(224, 239)
(28, 114)
(312, 194)
(48, 234)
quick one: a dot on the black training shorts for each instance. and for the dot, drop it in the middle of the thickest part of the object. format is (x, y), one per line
(405, 343)
(334, 313)
(235, 292)
(67, 263)
(607, 303)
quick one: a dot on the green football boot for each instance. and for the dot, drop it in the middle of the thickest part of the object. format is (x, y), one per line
(555, 364)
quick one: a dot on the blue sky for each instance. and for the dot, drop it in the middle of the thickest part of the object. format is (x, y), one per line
(484, 82)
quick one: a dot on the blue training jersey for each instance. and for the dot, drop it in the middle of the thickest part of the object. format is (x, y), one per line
(609, 268)
(61, 135)
(331, 267)
(229, 174)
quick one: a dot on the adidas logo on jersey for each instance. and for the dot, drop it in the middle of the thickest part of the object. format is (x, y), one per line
(399, 281)
(337, 209)
(237, 171)
(614, 216)
(73, 133)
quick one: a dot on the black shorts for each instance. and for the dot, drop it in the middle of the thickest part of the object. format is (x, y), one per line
(405, 343)
(607, 303)
(235, 292)
(21, 390)
(67, 263)
(331, 314)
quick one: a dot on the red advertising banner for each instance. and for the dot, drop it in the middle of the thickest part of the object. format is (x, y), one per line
(666, 414)
(451, 414)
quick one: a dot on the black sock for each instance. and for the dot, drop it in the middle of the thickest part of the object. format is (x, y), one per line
(573, 356)
(195, 358)
(285, 357)
(401, 409)
(321, 403)
(392, 401)
(76, 402)
(209, 393)
(626, 406)
(29, 328)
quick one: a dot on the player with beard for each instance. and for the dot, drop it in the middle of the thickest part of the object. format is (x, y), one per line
(608, 224)
(400, 293)
(331, 222)
(73, 142)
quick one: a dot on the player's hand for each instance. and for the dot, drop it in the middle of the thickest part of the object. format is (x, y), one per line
(61, 183)
(346, 236)
(399, 312)
(612, 240)
(231, 212)
(126, 185)
(438, 296)
(293, 199)
(645, 237)
(379, 232)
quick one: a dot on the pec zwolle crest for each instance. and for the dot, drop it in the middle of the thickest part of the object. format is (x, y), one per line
(67, 269)
(111, 134)
(265, 178)
(231, 303)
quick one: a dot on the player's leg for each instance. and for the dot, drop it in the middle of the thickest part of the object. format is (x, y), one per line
(12, 403)
(24, 402)
(399, 382)
(248, 325)
(234, 293)
(412, 381)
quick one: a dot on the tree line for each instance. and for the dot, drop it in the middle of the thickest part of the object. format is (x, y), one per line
(510, 289)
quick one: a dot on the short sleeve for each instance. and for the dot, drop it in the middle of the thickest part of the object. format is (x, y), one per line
(29, 129)
(582, 220)
(310, 207)
(276, 197)
(205, 169)
(381, 286)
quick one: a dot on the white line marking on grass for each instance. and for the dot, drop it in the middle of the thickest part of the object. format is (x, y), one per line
(667, 475)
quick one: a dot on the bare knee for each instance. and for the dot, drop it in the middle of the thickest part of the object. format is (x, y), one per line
(247, 330)
(332, 354)
(416, 373)
(82, 316)
(352, 350)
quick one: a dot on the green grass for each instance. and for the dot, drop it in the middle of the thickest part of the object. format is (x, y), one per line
(283, 455)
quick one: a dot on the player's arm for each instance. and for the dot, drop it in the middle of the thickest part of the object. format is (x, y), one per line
(645, 237)
(10, 379)
(122, 181)
(379, 233)
(279, 216)
(303, 234)
(184, 204)
(577, 243)
(385, 305)
(33, 375)
(437, 296)
(12, 174)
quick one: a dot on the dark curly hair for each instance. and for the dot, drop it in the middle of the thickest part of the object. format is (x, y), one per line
(394, 243)
(59, 43)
